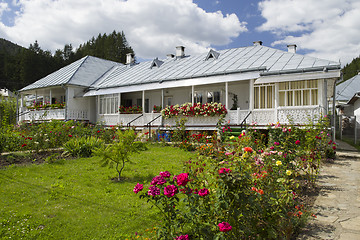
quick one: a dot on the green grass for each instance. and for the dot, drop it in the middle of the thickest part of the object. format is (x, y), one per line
(76, 199)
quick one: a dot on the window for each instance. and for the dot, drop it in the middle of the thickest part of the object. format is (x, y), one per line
(197, 97)
(213, 97)
(264, 96)
(298, 93)
(109, 104)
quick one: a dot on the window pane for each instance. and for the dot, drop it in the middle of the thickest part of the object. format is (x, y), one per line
(262, 97)
(217, 97)
(210, 97)
(269, 94)
(297, 98)
(282, 99)
(256, 97)
(108, 106)
(290, 98)
(306, 97)
(314, 97)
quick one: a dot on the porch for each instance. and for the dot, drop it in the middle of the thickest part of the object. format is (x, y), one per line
(259, 117)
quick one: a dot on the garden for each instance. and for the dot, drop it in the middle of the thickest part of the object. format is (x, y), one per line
(72, 180)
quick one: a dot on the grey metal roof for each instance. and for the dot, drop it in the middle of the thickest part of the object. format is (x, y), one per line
(253, 58)
(346, 90)
(82, 72)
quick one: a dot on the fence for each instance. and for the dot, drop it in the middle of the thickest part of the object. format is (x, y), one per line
(347, 128)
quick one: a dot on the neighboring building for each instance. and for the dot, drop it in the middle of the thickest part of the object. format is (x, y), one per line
(6, 93)
(266, 84)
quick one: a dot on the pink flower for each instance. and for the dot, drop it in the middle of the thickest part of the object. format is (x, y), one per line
(276, 143)
(170, 190)
(153, 191)
(297, 142)
(182, 179)
(159, 180)
(182, 237)
(138, 188)
(203, 192)
(165, 174)
(224, 170)
(224, 227)
(272, 148)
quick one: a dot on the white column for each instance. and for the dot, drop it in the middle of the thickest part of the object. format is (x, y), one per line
(21, 101)
(326, 105)
(276, 102)
(192, 95)
(162, 98)
(143, 101)
(119, 101)
(251, 99)
(227, 95)
(35, 97)
(50, 96)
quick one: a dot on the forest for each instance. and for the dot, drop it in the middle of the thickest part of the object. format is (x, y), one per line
(21, 66)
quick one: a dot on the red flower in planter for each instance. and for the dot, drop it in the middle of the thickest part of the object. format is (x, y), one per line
(224, 227)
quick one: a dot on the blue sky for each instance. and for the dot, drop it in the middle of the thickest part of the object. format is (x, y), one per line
(326, 29)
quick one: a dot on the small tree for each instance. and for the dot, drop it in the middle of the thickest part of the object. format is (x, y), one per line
(120, 151)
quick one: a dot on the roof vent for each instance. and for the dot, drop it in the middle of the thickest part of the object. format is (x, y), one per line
(180, 51)
(291, 48)
(156, 63)
(257, 43)
(170, 55)
(130, 58)
(212, 54)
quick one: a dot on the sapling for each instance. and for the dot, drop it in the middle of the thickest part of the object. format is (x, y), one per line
(120, 151)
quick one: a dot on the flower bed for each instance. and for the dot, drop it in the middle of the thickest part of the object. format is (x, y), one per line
(248, 188)
(196, 110)
(130, 110)
(41, 106)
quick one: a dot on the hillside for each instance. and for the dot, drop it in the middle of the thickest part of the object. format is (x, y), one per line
(351, 69)
(9, 47)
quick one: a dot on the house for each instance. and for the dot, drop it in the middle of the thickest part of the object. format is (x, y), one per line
(256, 84)
(6, 93)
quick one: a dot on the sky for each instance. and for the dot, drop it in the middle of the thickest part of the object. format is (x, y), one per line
(327, 29)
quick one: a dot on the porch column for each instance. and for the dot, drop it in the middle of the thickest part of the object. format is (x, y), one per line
(143, 101)
(276, 102)
(227, 95)
(118, 108)
(162, 98)
(326, 105)
(192, 95)
(251, 98)
(35, 97)
(21, 101)
(320, 96)
(98, 108)
(50, 96)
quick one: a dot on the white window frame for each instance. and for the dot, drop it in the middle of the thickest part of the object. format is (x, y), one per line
(109, 104)
(306, 87)
(257, 102)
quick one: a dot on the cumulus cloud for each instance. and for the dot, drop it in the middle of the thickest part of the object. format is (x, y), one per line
(327, 28)
(3, 7)
(152, 27)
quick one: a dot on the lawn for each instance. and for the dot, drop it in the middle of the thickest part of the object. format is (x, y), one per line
(77, 199)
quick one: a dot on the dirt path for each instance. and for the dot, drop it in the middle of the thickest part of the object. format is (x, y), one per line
(338, 205)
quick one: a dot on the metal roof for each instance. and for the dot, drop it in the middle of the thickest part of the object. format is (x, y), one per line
(346, 90)
(253, 58)
(102, 74)
(82, 72)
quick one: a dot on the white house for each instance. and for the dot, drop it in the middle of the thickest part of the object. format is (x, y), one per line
(270, 85)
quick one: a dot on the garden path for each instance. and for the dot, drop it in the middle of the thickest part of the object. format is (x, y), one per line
(337, 206)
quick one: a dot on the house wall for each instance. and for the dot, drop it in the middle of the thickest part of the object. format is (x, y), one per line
(79, 107)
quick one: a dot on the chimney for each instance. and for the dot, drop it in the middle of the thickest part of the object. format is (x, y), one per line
(170, 55)
(257, 43)
(180, 51)
(130, 58)
(291, 48)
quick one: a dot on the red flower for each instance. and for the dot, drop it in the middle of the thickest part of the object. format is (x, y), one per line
(138, 188)
(170, 190)
(334, 147)
(248, 149)
(23, 145)
(224, 227)
(224, 170)
(297, 142)
(70, 135)
(182, 179)
(203, 192)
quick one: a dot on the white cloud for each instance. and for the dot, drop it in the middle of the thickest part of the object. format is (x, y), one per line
(328, 28)
(3, 7)
(152, 27)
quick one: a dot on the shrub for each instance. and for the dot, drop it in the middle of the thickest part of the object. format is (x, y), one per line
(82, 147)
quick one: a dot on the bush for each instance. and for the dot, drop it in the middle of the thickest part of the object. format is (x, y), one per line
(82, 147)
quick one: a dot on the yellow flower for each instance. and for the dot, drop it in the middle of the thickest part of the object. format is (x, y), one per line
(288, 172)
(232, 137)
(278, 163)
